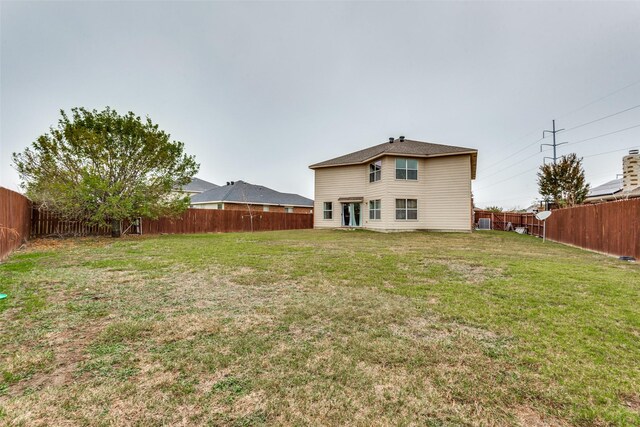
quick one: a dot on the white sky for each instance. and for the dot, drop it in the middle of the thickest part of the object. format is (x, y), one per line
(258, 91)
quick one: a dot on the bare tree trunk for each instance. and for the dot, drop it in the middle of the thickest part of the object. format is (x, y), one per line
(115, 228)
(244, 198)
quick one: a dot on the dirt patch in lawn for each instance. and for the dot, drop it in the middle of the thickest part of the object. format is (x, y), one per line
(471, 273)
(436, 329)
(68, 349)
(528, 417)
(51, 244)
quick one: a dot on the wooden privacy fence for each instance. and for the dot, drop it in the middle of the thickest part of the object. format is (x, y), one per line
(15, 220)
(503, 220)
(612, 227)
(191, 221)
(45, 223)
(223, 221)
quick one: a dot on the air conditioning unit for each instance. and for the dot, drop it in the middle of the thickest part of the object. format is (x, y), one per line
(484, 224)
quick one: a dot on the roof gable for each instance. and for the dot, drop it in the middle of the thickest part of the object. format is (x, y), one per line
(198, 185)
(405, 147)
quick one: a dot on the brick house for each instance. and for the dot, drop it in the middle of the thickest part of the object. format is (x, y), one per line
(240, 195)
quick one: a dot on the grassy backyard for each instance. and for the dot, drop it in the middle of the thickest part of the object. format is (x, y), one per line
(318, 328)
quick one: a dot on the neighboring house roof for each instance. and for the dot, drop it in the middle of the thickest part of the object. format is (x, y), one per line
(405, 147)
(533, 208)
(612, 187)
(612, 190)
(243, 192)
(198, 185)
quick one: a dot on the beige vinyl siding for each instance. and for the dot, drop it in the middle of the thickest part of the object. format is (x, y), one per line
(333, 183)
(402, 189)
(442, 190)
(448, 193)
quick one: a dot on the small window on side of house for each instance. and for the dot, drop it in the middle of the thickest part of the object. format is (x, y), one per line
(375, 171)
(265, 208)
(288, 209)
(327, 210)
(220, 206)
(374, 209)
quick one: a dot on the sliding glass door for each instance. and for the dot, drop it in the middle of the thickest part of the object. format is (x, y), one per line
(351, 215)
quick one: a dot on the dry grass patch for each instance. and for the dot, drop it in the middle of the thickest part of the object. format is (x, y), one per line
(318, 328)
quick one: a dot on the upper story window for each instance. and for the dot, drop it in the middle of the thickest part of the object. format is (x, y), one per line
(407, 169)
(328, 210)
(375, 171)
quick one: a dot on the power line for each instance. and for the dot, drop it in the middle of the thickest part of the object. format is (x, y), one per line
(604, 134)
(571, 143)
(575, 127)
(599, 99)
(563, 130)
(602, 118)
(512, 165)
(537, 167)
(517, 152)
(507, 179)
(609, 152)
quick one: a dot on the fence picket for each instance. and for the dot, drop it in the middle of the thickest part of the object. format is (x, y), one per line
(612, 227)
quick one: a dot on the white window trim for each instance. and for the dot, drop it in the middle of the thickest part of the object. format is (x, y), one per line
(379, 172)
(417, 169)
(379, 210)
(406, 209)
(326, 210)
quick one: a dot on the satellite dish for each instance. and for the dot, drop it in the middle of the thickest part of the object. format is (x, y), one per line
(543, 215)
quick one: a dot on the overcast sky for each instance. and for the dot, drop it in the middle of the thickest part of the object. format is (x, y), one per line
(258, 91)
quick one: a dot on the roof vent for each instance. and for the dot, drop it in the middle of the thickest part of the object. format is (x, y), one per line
(401, 138)
(635, 151)
(228, 183)
(233, 182)
(391, 140)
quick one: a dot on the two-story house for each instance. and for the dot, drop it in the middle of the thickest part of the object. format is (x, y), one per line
(397, 186)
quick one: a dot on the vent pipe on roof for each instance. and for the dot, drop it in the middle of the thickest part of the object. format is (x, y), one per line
(391, 140)
(401, 138)
(228, 183)
(233, 182)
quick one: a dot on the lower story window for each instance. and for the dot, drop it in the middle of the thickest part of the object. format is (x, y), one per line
(328, 210)
(288, 209)
(265, 208)
(406, 209)
(374, 209)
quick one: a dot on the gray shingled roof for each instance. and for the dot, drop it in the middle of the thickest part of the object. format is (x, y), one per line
(407, 147)
(612, 187)
(199, 185)
(243, 192)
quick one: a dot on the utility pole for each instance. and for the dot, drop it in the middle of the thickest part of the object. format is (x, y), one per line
(554, 145)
